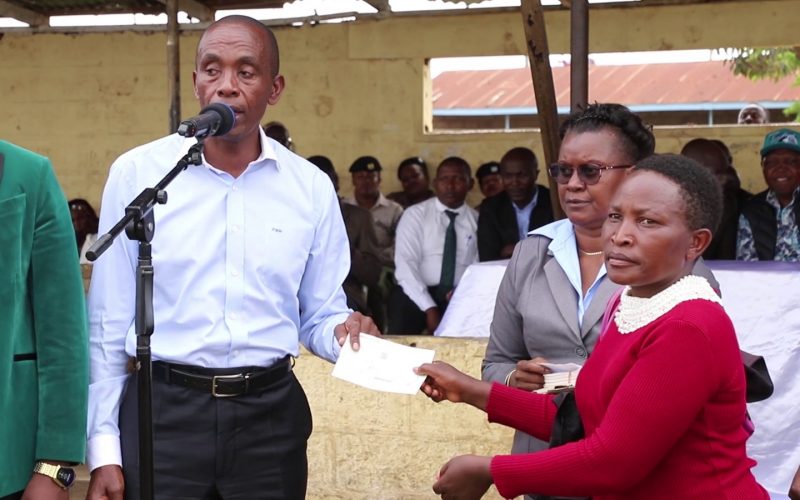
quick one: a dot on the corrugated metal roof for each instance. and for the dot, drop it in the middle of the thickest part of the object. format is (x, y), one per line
(74, 7)
(648, 84)
(36, 12)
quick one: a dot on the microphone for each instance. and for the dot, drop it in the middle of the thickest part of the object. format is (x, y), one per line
(214, 119)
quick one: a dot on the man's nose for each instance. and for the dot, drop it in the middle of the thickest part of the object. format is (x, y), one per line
(229, 84)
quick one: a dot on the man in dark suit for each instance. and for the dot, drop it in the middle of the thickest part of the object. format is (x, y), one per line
(506, 218)
(44, 368)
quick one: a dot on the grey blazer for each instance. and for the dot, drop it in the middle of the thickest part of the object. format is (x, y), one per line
(536, 314)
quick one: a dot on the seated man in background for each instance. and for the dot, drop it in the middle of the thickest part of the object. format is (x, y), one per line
(524, 206)
(413, 175)
(365, 268)
(489, 180)
(366, 176)
(753, 114)
(768, 226)
(435, 245)
(709, 154)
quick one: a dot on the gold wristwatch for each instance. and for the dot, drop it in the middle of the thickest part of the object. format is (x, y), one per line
(62, 476)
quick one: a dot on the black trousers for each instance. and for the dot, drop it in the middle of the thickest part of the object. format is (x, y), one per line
(405, 317)
(239, 448)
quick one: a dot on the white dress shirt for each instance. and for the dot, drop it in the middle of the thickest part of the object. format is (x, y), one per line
(420, 245)
(564, 248)
(244, 269)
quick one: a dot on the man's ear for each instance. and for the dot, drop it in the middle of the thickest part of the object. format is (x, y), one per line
(700, 240)
(278, 84)
(194, 84)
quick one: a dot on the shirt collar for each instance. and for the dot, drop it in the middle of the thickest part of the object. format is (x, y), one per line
(530, 205)
(560, 232)
(382, 201)
(266, 156)
(441, 207)
(772, 199)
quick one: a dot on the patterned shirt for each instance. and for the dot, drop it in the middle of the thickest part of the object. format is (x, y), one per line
(787, 244)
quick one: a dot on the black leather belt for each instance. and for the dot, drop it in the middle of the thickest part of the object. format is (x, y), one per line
(222, 382)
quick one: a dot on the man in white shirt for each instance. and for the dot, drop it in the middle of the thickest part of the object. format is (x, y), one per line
(431, 234)
(249, 254)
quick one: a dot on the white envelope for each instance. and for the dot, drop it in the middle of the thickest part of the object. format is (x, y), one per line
(382, 365)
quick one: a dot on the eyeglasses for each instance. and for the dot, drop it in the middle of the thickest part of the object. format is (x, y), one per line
(588, 173)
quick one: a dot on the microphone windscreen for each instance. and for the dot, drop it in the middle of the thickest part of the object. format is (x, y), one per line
(228, 117)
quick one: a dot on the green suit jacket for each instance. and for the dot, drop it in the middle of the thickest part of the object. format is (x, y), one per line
(43, 332)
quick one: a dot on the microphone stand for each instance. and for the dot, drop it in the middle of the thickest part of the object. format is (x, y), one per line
(139, 225)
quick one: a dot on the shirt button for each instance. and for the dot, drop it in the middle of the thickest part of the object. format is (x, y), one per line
(236, 353)
(235, 188)
(233, 315)
(580, 351)
(235, 228)
(234, 273)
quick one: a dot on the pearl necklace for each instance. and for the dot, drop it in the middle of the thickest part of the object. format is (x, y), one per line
(635, 312)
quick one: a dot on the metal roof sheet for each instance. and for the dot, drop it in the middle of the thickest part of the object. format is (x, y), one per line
(641, 84)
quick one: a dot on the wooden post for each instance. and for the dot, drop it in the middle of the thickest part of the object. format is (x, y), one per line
(542, 73)
(173, 65)
(579, 55)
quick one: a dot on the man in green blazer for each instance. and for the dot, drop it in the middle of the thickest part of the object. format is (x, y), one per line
(43, 332)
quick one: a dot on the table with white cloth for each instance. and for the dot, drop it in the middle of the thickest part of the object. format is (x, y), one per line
(763, 301)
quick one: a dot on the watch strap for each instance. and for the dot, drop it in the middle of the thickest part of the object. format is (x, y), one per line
(56, 473)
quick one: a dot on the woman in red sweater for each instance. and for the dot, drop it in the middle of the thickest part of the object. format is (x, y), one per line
(662, 398)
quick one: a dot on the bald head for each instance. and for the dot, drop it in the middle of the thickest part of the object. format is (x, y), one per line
(270, 42)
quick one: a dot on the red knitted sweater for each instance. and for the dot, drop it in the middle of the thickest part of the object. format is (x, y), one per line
(662, 408)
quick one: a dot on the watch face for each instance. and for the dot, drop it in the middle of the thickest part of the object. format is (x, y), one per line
(66, 476)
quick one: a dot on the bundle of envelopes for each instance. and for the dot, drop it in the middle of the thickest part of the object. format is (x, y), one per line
(561, 377)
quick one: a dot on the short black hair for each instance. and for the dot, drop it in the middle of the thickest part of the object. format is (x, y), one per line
(278, 131)
(524, 155)
(638, 139)
(323, 163)
(701, 193)
(459, 162)
(326, 165)
(725, 150)
(414, 160)
(272, 42)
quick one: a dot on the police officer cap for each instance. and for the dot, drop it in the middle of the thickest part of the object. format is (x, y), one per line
(487, 169)
(366, 164)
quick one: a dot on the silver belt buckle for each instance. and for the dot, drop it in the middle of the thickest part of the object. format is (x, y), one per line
(245, 377)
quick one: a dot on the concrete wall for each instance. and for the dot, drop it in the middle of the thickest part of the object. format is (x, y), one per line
(371, 445)
(352, 89)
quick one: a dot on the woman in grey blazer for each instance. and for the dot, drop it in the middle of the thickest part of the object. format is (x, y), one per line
(552, 297)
